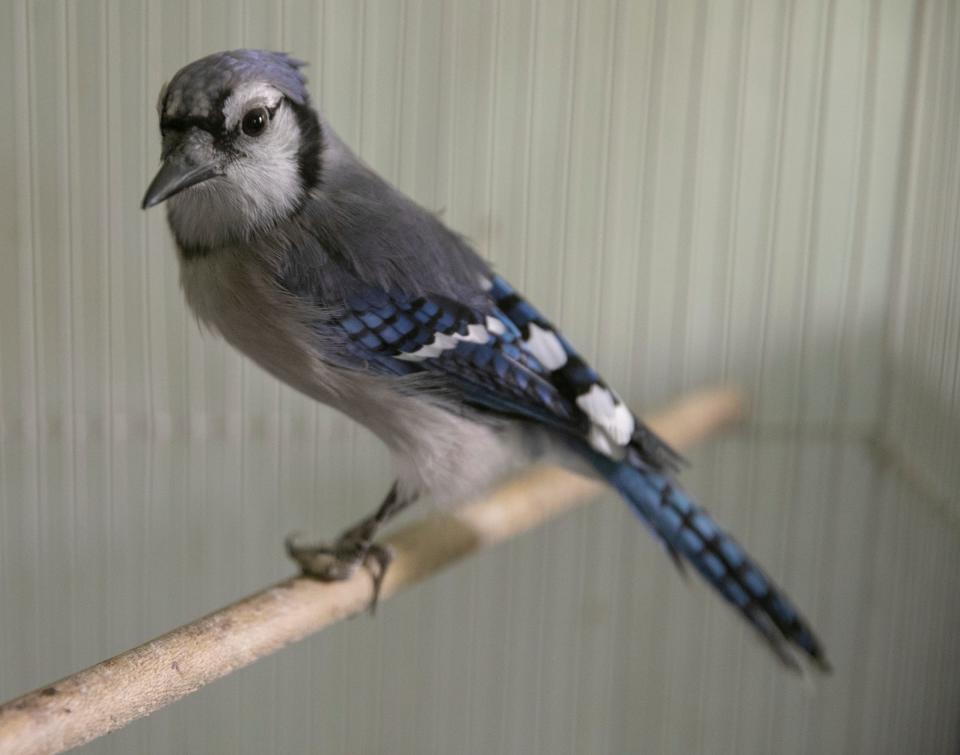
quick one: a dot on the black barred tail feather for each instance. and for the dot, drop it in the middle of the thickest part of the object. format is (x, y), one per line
(688, 531)
(638, 463)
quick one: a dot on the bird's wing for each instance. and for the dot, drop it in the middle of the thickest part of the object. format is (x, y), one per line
(643, 477)
(614, 426)
(475, 355)
(505, 358)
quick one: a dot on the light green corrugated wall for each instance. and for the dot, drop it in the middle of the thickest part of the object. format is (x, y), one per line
(923, 421)
(698, 191)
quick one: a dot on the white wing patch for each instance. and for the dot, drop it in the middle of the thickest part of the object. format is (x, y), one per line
(599, 441)
(546, 347)
(608, 413)
(612, 423)
(623, 424)
(495, 325)
(475, 334)
(442, 342)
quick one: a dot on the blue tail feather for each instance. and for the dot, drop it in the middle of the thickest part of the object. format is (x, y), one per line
(688, 532)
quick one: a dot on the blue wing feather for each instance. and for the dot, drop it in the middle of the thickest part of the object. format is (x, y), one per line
(387, 330)
(490, 367)
(575, 377)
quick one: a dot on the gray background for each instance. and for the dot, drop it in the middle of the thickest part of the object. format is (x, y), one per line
(762, 193)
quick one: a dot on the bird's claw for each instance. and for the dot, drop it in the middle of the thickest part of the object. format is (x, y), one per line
(339, 561)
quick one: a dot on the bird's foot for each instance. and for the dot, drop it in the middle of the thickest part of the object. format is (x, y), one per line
(339, 560)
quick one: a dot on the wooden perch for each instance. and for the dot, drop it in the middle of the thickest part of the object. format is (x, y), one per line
(113, 693)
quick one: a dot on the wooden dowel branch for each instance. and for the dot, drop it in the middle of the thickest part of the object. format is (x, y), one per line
(138, 682)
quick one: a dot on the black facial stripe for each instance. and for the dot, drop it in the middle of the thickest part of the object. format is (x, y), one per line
(213, 124)
(192, 251)
(225, 142)
(311, 144)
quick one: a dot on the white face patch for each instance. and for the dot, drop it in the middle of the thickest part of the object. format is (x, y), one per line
(608, 413)
(246, 97)
(260, 183)
(546, 347)
(267, 172)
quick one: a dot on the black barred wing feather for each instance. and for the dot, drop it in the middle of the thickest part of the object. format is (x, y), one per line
(507, 358)
(614, 429)
(478, 354)
(644, 478)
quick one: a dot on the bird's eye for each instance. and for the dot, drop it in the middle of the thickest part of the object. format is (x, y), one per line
(255, 121)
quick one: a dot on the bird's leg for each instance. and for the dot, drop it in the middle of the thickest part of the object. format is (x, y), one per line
(354, 547)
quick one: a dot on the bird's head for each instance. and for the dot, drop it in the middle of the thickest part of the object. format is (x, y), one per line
(241, 146)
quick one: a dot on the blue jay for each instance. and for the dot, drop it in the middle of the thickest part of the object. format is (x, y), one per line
(332, 280)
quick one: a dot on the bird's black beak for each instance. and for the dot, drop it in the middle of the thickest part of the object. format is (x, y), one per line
(176, 174)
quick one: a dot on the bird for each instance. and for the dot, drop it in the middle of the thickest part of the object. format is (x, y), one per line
(330, 278)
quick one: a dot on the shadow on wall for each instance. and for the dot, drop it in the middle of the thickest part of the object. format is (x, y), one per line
(819, 379)
(921, 428)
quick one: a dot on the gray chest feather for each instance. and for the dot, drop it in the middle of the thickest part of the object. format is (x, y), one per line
(233, 293)
(437, 452)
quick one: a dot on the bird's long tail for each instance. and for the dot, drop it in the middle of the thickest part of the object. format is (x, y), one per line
(690, 533)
